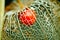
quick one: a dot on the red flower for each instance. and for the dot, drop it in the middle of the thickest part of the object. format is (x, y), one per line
(27, 17)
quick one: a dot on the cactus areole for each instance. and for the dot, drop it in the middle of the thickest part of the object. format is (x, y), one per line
(27, 16)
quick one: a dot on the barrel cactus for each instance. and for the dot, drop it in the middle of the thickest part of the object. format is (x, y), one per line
(42, 29)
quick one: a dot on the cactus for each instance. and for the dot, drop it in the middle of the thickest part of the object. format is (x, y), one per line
(42, 29)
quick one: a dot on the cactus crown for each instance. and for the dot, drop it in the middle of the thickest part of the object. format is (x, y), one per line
(42, 29)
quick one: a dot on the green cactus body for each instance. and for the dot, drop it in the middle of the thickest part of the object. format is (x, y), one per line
(42, 29)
